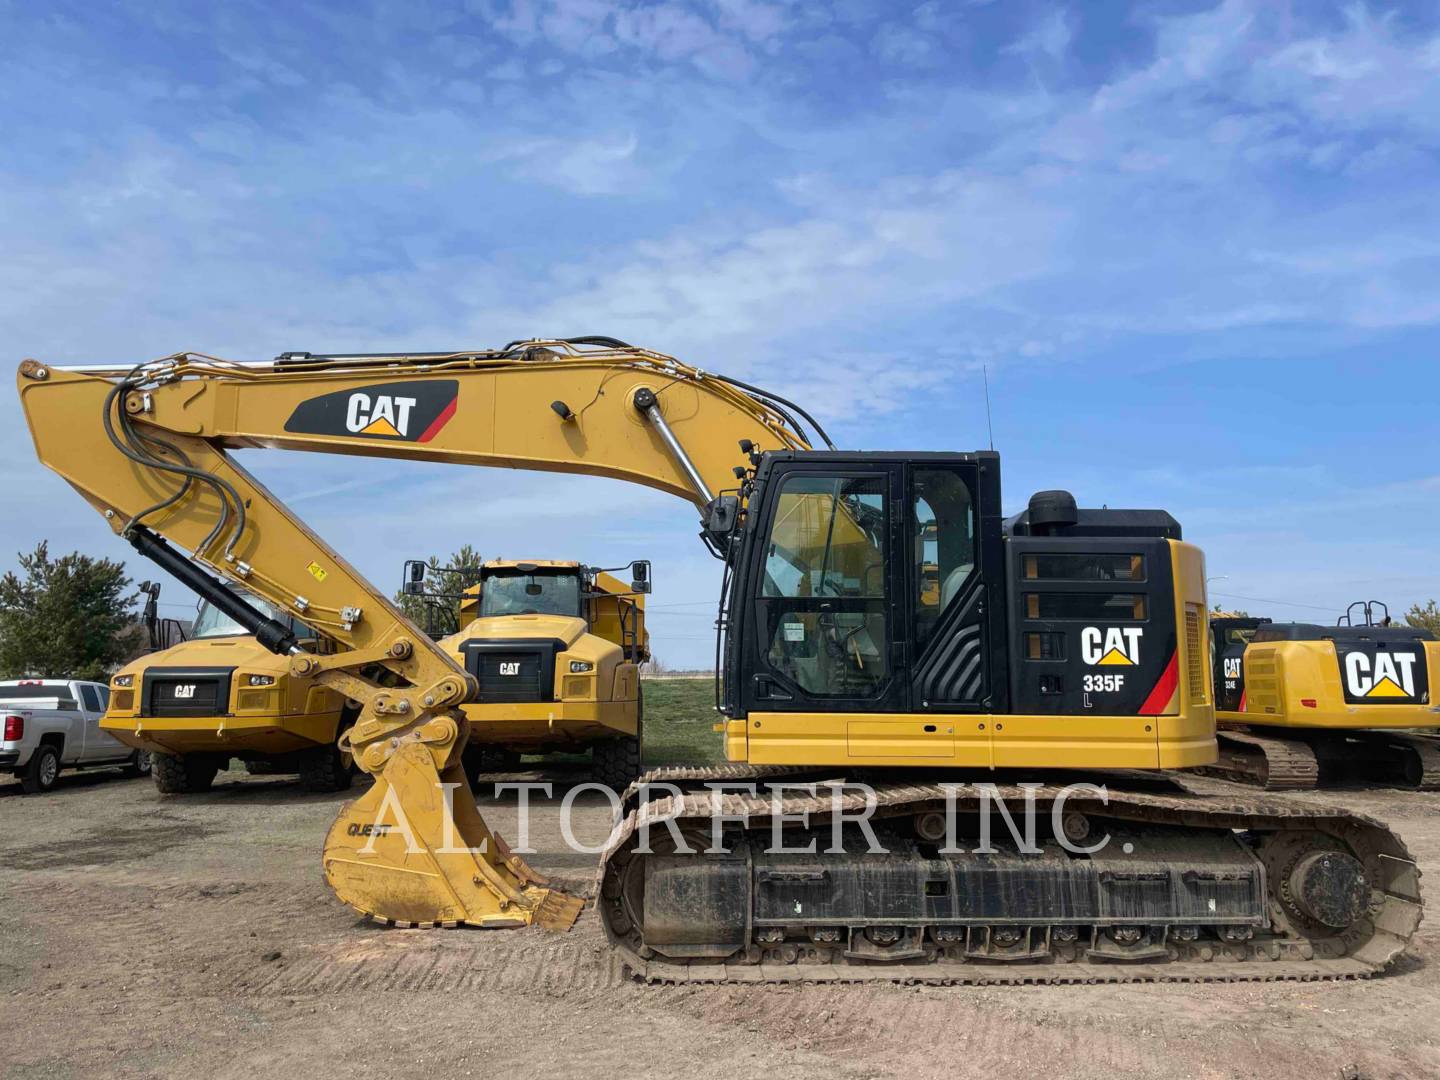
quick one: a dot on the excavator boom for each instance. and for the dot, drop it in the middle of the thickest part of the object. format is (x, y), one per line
(148, 447)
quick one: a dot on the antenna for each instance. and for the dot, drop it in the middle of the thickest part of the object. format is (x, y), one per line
(989, 424)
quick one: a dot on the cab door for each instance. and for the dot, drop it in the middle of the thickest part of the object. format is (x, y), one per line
(947, 605)
(97, 745)
(822, 594)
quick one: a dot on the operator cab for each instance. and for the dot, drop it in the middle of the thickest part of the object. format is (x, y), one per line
(889, 583)
(211, 622)
(513, 623)
(1229, 635)
(530, 589)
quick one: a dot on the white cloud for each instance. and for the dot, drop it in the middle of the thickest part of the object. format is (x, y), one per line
(585, 167)
(1050, 37)
(698, 180)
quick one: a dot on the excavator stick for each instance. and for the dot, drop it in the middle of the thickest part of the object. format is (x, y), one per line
(414, 851)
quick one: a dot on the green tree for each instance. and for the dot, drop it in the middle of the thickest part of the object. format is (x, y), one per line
(69, 618)
(435, 610)
(1426, 617)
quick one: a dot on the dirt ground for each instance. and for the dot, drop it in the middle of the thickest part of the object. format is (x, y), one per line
(194, 937)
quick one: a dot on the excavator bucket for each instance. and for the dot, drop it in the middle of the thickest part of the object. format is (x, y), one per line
(414, 851)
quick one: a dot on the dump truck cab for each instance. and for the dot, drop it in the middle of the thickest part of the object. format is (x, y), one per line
(221, 695)
(556, 649)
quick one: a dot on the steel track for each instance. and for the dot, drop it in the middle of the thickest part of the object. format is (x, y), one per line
(1274, 763)
(1283, 830)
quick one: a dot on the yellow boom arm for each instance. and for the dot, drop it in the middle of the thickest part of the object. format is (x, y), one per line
(147, 448)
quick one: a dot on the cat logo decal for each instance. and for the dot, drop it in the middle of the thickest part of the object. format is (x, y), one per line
(1385, 675)
(402, 411)
(1117, 646)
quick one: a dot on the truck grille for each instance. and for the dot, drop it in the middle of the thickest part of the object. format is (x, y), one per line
(509, 677)
(186, 692)
(511, 671)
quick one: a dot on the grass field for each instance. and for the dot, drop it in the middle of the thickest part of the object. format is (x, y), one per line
(679, 714)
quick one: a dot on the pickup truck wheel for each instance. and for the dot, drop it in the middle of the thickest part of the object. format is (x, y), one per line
(44, 769)
(139, 764)
(183, 774)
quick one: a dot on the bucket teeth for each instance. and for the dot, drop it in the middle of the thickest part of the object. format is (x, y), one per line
(558, 911)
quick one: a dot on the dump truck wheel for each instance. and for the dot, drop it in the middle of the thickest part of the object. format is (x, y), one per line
(325, 768)
(183, 774)
(40, 774)
(328, 768)
(616, 762)
(471, 760)
(499, 759)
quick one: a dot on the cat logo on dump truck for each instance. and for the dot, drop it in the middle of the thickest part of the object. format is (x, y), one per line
(1117, 646)
(1382, 675)
(399, 411)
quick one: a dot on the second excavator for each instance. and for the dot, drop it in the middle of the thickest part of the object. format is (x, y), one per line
(1300, 705)
(882, 623)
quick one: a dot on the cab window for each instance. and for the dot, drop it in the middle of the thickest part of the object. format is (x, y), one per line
(824, 585)
(211, 622)
(942, 537)
(531, 594)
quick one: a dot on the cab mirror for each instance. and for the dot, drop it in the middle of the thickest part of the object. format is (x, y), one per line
(640, 576)
(414, 578)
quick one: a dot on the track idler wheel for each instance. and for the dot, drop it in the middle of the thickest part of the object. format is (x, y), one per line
(1330, 888)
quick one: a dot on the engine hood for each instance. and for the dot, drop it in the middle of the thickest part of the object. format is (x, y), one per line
(515, 627)
(240, 651)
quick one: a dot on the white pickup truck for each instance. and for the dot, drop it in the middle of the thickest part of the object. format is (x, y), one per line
(50, 724)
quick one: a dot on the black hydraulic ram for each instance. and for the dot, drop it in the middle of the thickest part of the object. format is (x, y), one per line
(274, 635)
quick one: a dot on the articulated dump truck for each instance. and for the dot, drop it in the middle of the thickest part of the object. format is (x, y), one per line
(558, 670)
(888, 642)
(221, 696)
(555, 649)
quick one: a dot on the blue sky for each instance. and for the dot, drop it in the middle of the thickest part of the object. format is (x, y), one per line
(1196, 246)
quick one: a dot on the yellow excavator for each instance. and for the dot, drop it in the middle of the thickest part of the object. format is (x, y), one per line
(555, 649)
(1300, 705)
(1059, 643)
